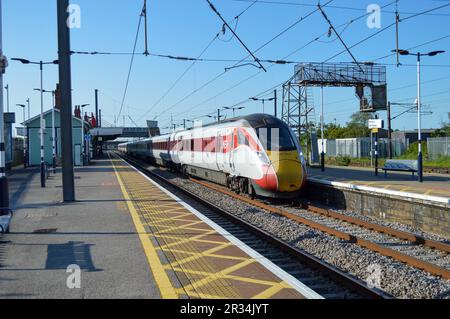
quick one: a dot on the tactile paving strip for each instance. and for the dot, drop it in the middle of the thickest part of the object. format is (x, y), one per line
(200, 262)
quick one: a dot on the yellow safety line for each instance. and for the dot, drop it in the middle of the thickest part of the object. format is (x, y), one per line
(199, 295)
(268, 293)
(162, 280)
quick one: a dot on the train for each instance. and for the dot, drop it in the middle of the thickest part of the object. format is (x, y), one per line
(256, 155)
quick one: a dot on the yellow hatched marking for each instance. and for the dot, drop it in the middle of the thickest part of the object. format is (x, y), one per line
(156, 213)
(195, 257)
(165, 287)
(168, 229)
(237, 278)
(214, 276)
(177, 217)
(216, 287)
(199, 295)
(268, 293)
(207, 255)
(196, 239)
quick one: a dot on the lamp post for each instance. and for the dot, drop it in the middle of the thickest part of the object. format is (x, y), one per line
(263, 101)
(419, 119)
(41, 68)
(53, 129)
(83, 143)
(28, 104)
(5, 212)
(7, 98)
(23, 106)
(234, 109)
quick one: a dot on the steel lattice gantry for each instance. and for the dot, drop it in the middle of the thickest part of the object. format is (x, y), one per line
(368, 79)
(298, 111)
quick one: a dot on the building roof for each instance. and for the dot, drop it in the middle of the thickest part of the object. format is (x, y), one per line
(45, 114)
(425, 131)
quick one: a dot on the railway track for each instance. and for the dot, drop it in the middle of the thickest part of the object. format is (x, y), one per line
(428, 255)
(326, 280)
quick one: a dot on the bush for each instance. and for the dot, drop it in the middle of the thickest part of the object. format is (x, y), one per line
(343, 160)
(413, 150)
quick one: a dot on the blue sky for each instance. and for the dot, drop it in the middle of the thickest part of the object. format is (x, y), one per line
(185, 27)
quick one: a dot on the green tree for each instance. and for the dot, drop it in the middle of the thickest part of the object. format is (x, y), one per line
(445, 130)
(358, 125)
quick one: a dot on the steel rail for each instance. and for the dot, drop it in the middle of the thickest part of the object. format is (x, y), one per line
(388, 252)
(337, 275)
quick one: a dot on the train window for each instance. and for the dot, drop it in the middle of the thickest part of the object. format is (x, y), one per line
(276, 138)
(219, 144)
(242, 139)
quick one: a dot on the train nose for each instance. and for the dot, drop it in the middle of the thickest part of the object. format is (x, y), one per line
(289, 174)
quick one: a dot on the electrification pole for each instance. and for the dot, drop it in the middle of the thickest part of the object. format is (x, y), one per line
(7, 98)
(419, 122)
(28, 103)
(275, 101)
(43, 126)
(322, 154)
(389, 131)
(65, 83)
(96, 107)
(5, 213)
(53, 133)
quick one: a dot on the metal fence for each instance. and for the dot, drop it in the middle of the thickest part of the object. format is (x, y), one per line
(362, 147)
(438, 147)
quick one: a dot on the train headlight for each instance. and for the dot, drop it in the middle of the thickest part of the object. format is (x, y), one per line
(263, 157)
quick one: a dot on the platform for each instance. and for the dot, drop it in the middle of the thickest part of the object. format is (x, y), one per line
(131, 239)
(397, 197)
(435, 188)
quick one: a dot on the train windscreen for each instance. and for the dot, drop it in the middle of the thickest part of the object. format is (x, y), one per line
(276, 138)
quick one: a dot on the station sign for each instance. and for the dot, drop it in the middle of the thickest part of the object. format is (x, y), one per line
(376, 124)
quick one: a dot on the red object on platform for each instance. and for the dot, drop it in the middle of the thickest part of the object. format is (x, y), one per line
(93, 120)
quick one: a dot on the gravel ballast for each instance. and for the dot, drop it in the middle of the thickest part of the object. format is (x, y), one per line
(395, 278)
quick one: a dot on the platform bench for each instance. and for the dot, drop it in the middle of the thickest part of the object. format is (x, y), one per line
(401, 166)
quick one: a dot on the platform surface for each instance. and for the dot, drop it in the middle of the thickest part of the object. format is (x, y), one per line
(131, 239)
(434, 187)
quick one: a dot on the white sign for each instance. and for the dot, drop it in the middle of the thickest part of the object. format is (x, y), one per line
(376, 123)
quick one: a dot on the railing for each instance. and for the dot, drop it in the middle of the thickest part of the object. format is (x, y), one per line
(438, 147)
(362, 147)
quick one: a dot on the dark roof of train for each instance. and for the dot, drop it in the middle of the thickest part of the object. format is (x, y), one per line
(255, 120)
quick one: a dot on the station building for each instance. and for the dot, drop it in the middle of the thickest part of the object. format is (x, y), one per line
(32, 133)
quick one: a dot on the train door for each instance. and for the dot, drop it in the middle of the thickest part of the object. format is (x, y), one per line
(178, 150)
(232, 147)
(219, 151)
(227, 151)
(169, 149)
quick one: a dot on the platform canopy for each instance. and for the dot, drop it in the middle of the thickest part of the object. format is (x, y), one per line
(112, 133)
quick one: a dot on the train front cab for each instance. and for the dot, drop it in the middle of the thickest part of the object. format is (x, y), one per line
(285, 172)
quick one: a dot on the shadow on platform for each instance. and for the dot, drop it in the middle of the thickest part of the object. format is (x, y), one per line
(59, 256)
